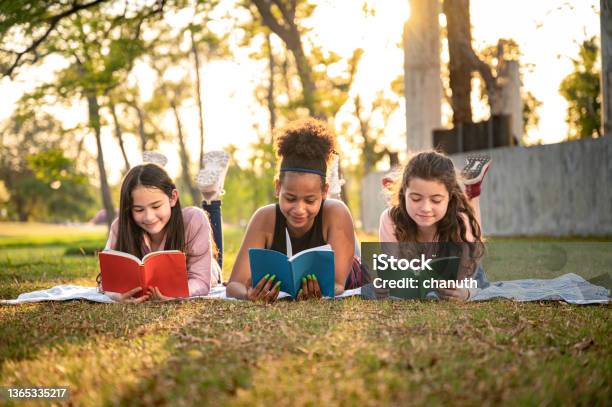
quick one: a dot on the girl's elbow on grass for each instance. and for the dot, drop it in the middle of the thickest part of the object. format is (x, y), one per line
(236, 290)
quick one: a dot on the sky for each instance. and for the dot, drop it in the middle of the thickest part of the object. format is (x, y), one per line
(547, 31)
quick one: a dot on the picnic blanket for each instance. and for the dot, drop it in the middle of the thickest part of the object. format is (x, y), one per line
(78, 292)
(570, 288)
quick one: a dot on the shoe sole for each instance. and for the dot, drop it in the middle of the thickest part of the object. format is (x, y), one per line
(208, 177)
(475, 170)
(155, 158)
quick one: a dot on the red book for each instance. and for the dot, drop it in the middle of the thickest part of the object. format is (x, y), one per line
(166, 270)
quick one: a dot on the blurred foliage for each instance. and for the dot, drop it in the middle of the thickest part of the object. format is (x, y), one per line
(40, 182)
(250, 185)
(582, 91)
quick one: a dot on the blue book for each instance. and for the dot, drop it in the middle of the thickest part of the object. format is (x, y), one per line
(290, 270)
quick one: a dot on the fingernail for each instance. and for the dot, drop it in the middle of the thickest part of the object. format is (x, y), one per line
(303, 280)
(266, 276)
(278, 283)
(273, 277)
(299, 292)
(314, 277)
(310, 277)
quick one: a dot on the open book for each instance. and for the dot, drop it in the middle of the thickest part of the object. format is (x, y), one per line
(444, 269)
(166, 270)
(290, 270)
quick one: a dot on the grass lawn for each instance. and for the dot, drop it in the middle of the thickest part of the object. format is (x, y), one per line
(346, 352)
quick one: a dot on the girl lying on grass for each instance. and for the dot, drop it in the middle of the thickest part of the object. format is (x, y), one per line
(305, 149)
(151, 219)
(429, 206)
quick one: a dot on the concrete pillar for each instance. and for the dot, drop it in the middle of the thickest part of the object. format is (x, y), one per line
(422, 84)
(511, 102)
(606, 66)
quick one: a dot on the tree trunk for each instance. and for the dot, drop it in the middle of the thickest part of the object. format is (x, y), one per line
(20, 205)
(271, 104)
(288, 32)
(119, 136)
(363, 129)
(196, 58)
(463, 61)
(194, 193)
(305, 74)
(606, 67)
(94, 124)
(459, 36)
(141, 128)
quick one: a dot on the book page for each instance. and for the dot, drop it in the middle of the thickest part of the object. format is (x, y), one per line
(288, 241)
(157, 253)
(126, 255)
(324, 248)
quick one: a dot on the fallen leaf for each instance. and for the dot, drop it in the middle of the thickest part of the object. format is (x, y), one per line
(584, 344)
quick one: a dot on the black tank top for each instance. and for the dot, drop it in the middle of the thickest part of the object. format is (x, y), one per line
(312, 238)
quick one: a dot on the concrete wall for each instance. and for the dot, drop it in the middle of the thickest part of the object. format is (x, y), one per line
(557, 190)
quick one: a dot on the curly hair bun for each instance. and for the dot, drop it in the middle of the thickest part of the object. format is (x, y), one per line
(308, 139)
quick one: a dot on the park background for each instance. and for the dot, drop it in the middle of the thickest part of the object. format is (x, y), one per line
(88, 85)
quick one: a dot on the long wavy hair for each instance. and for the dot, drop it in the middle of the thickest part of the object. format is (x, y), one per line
(434, 166)
(130, 235)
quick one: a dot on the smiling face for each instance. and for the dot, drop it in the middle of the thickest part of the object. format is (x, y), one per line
(151, 209)
(299, 198)
(426, 201)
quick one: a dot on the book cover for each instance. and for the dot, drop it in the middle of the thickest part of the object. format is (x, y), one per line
(290, 270)
(166, 270)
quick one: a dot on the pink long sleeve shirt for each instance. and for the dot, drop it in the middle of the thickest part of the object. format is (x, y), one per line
(386, 228)
(202, 268)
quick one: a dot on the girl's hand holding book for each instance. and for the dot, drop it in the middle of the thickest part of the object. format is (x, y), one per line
(127, 297)
(310, 288)
(457, 294)
(265, 290)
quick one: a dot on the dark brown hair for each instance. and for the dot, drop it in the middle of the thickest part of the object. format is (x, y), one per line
(431, 165)
(130, 235)
(306, 144)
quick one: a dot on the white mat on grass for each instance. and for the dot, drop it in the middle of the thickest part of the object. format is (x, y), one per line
(569, 287)
(78, 292)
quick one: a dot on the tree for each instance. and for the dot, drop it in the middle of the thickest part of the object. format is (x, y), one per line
(531, 117)
(463, 61)
(321, 94)
(27, 26)
(41, 182)
(496, 56)
(281, 17)
(101, 55)
(205, 45)
(582, 91)
(100, 45)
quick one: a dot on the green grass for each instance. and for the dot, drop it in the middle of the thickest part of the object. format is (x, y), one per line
(344, 352)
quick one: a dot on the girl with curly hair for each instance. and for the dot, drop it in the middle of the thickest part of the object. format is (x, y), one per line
(302, 214)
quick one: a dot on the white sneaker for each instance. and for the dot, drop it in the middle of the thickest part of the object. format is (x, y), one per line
(335, 183)
(155, 158)
(210, 179)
